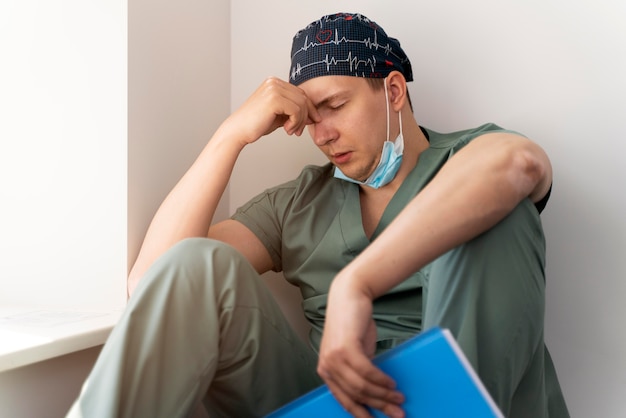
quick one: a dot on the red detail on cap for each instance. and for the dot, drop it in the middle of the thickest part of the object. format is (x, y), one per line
(388, 63)
(323, 36)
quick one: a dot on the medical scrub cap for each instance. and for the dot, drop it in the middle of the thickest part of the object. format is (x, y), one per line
(346, 44)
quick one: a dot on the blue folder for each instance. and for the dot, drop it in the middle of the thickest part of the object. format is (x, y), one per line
(430, 370)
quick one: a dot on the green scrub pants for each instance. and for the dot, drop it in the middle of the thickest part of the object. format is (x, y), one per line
(202, 326)
(201, 322)
(490, 293)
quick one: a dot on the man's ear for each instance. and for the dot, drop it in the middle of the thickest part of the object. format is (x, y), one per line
(396, 83)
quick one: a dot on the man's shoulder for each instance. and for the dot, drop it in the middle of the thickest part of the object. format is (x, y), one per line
(458, 139)
(309, 176)
(311, 181)
(315, 173)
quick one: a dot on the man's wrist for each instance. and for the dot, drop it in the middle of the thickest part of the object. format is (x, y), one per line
(229, 135)
(350, 284)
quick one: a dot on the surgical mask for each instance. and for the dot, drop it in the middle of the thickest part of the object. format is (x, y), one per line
(390, 158)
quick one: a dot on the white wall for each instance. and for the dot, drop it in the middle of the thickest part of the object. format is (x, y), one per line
(553, 70)
(178, 93)
(63, 153)
(62, 178)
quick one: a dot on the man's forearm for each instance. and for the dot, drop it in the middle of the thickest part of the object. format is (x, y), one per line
(188, 209)
(468, 196)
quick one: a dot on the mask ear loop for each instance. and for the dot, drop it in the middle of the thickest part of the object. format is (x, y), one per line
(387, 104)
(400, 117)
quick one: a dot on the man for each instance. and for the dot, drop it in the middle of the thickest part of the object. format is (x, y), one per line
(413, 228)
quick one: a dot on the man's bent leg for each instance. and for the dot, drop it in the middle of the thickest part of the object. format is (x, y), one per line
(490, 293)
(200, 313)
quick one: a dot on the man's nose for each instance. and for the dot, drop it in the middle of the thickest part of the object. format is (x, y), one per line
(322, 133)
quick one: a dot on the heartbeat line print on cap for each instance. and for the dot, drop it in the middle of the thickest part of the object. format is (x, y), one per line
(367, 42)
(353, 62)
(359, 48)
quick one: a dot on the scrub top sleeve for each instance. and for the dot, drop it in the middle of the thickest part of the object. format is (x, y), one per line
(493, 128)
(264, 215)
(464, 138)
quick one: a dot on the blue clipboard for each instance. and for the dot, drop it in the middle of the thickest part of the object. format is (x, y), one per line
(429, 369)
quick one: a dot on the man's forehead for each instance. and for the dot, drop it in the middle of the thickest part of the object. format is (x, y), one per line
(323, 89)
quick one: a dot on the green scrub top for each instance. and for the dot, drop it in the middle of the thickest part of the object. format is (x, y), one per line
(312, 228)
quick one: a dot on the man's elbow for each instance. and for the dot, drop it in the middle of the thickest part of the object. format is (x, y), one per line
(532, 169)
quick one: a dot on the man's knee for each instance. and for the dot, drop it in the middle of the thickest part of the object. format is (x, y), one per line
(522, 228)
(498, 276)
(515, 247)
(190, 250)
(195, 263)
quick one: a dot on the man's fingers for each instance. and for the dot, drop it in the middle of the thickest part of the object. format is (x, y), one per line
(353, 408)
(359, 382)
(371, 386)
(313, 113)
(358, 371)
(275, 104)
(312, 116)
(355, 402)
(300, 115)
(293, 105)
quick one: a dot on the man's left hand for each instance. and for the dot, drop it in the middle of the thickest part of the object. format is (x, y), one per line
(347, 347)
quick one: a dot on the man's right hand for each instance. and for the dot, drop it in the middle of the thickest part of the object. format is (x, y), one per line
(275, 104)
(188, 209)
